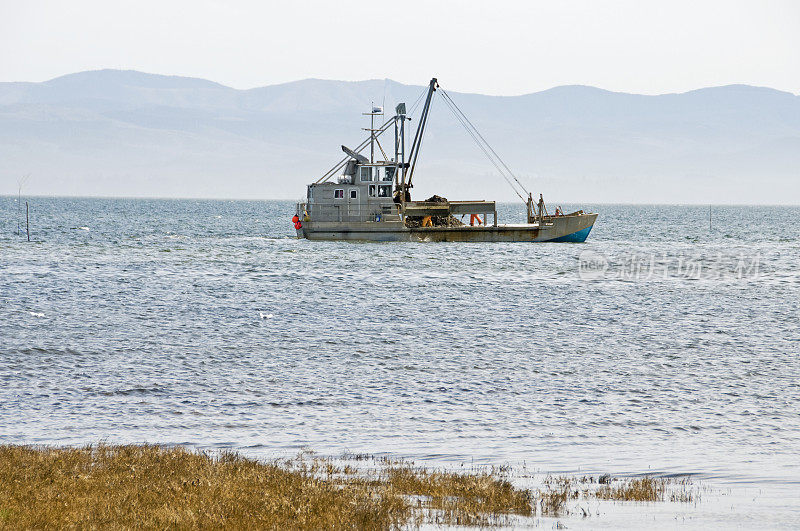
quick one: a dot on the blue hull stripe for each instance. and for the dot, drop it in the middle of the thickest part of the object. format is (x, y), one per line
(575, 237)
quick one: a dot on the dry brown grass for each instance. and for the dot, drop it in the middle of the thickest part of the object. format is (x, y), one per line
(637, 489)
(553, 501)
(119, 487)
(558, 491)
(461, 499)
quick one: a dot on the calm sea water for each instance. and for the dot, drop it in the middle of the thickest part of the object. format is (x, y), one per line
(659, 346)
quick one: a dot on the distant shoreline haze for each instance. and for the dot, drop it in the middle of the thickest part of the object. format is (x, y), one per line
(555, 200)
(114, 133)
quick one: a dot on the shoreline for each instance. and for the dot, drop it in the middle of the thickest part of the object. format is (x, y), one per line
(158, 486)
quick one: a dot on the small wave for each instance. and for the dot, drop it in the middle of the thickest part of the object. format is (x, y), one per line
(79, 228)
(135, 391)
(311, 402)
(36, 314)
(37, 351)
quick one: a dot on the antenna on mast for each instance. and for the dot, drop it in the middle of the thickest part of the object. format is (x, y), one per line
(376, 111)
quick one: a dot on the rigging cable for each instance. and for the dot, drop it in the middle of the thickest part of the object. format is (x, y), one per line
(485, 152)
(382, 129)
(417, 101)
(470, 127)
(463, 121)
(339, 165)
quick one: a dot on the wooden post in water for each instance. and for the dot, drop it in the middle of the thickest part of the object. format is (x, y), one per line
(27, 222)
(709, 218)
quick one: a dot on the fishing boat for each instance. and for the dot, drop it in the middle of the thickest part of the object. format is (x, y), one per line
(370, 198)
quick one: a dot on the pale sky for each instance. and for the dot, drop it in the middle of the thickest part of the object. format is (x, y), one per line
(491, 47)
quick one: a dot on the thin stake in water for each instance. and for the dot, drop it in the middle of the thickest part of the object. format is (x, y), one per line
(20, 183)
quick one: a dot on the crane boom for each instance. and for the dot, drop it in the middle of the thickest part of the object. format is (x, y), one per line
(415, 145)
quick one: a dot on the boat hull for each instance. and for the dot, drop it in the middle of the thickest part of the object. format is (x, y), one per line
(562, 229)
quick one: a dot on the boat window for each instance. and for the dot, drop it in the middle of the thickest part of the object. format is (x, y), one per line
(338, 193)
(353, 194)
(388, 173)
(384, 190)
(372, 190)
(366, 174)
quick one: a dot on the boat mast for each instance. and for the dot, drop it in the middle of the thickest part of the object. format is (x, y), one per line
(403, 138)
(374, 111)
(399, 143)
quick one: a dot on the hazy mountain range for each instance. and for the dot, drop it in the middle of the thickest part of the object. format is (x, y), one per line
(127, 133)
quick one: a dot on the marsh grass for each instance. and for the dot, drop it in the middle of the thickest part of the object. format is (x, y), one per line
(118, 487)
(648, 489)
(480, 498)
(127, 486)
(558, 491)
(638, 489)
